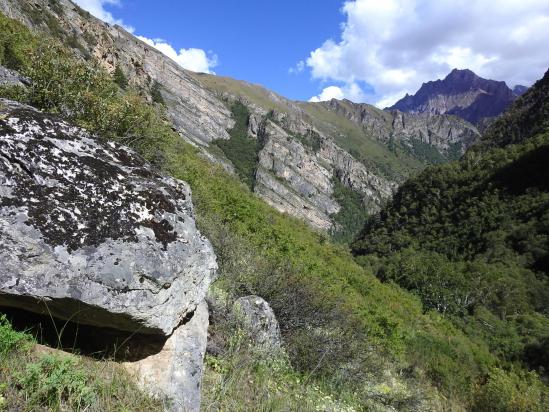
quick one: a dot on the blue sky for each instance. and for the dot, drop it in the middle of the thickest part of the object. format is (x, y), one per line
(257, 41)
(365, 50)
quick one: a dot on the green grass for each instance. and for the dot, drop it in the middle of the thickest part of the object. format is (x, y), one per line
(33, 377)
(253, 92)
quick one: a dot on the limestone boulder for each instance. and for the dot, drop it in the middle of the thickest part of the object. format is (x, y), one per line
(90, 232)
(258, 321)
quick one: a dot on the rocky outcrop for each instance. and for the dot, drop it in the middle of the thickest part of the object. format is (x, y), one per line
(91, 233)
(296, 175)
(292, 179)
(175, 372)
(440, 131)
(463, 94)
(11, 78)
(259, 322)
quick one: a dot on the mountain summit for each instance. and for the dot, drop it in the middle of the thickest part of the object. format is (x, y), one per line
(461, 93)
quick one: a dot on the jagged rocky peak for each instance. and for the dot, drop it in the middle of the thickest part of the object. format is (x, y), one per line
(461, 93)
(91, 233)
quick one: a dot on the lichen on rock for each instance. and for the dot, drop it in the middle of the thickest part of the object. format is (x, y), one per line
(92, 230)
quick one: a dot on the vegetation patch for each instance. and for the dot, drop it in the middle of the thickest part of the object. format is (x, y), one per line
(120, 78)
(241, 149)
(351, 217)
(33, 377)
(423, 151)
(470, 238)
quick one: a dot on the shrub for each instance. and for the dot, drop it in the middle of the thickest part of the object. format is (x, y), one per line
(10, 339)
(351, 217)
(120, 78)
(512, 392)
(156, 94)
(241, 149)
(56, 380)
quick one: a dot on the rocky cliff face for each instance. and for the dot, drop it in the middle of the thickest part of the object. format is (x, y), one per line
(296, 176)
(463, 94)
(305, 148)
(198, 115)
(90, 233)
(443, 132)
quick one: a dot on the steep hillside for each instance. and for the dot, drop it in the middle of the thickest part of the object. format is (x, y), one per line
(312, 161)
(528, 116)
(471, 238)
(345, 145)
(461, 93)
(432, 139)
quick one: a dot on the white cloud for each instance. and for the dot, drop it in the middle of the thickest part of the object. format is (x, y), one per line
(329, 93)
(298, 68)
(196, 60)
(396, 45)
(192, 59)
(349, 91)
(97, 9)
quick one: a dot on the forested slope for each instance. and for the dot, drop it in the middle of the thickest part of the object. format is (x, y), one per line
(471, 238)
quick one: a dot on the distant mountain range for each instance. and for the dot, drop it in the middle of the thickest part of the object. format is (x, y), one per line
(464, 94)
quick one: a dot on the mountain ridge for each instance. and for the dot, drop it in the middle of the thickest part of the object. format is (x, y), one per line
(461, 93)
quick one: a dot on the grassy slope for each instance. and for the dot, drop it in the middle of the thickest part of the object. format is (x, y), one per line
(345, 332)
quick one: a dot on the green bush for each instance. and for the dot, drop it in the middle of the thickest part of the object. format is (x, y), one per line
(156, 95)
(15, 43)
(241, 149)
(351, 217)
(512, 392)
(10, 339)
(120, 78)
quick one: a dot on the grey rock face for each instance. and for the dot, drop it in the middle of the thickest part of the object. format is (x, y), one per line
(291, 179)
(194, 111)
(91, 230)
(259, 321)
(441, 131)
(298, 180)
(175, 372)
(12, 78)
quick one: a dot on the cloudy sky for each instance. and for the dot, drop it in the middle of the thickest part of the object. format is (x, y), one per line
(364, 50)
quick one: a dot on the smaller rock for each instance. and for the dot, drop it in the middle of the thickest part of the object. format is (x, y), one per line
(259, 321)
(12, 78)
(253, 126)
